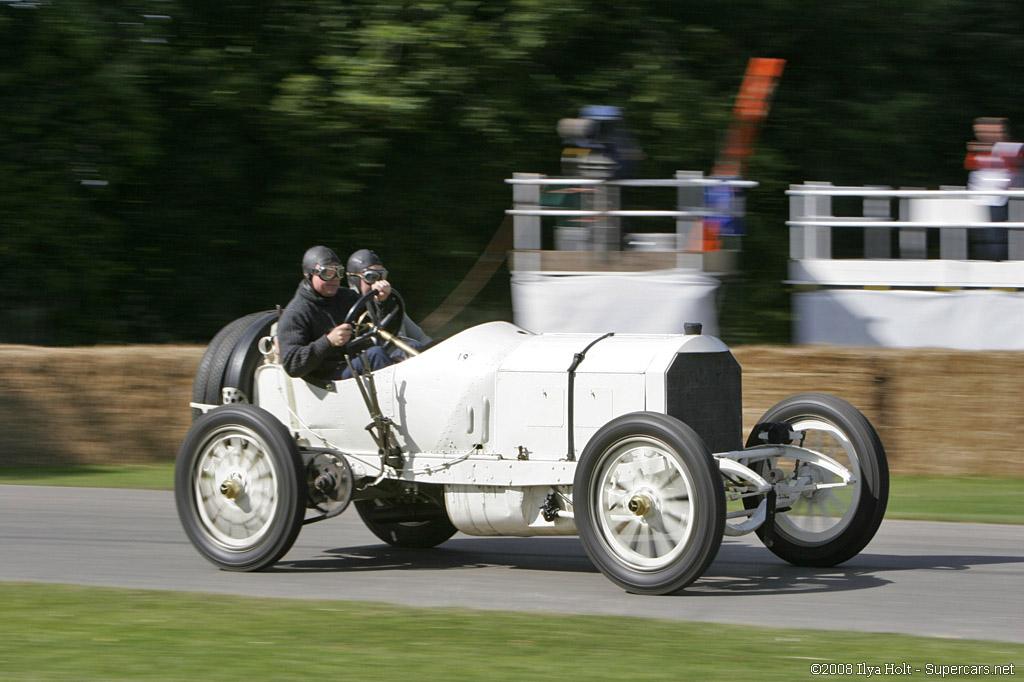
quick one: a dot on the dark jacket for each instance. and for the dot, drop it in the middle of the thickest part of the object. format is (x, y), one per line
(302, 331)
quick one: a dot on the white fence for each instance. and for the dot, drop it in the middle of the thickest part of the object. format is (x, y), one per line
(909, 280)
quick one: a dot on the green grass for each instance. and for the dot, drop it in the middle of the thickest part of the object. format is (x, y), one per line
(58, 632)
(980, 500)
(143, 476)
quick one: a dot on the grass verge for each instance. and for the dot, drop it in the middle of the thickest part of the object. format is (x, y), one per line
(978, 500)
(58, 632)
(143, 476)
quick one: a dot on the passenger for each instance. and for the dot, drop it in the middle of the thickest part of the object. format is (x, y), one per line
(366, 271)
(312, 334)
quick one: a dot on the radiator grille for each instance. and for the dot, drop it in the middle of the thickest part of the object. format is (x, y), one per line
(704, 391)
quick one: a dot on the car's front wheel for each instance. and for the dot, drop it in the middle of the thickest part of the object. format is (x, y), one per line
(824, 522)
(239, 487)
(649, 503)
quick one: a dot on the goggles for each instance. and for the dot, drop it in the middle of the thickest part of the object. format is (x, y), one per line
(371, 276)
(328, 273)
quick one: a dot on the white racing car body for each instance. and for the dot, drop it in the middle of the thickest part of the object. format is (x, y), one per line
(487, 413)
(633, 442)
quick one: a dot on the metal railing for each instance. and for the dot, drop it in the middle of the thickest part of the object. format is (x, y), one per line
(952, 211)
(596, 225)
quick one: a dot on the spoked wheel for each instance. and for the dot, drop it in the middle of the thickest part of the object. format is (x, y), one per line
(827, 526)
(649, 503)
(411, 524)
(237, 488)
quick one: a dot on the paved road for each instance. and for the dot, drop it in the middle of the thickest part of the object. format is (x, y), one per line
(937, 579)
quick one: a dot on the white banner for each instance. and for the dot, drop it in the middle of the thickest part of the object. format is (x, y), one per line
(965, 320)
(654, 302)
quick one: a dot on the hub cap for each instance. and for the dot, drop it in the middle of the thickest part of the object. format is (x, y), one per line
(235, 487)
(644, 510)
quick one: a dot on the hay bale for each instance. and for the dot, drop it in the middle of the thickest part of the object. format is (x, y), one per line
(939, 412)
(104, 404)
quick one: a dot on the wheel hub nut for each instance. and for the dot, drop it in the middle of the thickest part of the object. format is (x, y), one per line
(639, 505)
(231, 488)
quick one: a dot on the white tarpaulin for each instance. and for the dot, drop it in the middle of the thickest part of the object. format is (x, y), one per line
(653, 302)
(967, 319)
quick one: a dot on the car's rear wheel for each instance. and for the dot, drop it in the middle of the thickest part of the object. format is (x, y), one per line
(649, 503)
(230, 360)
(239, 488)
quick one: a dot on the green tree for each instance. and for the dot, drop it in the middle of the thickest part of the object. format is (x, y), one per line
(165, 164)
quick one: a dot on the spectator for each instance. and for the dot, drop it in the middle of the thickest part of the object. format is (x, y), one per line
(994, 164)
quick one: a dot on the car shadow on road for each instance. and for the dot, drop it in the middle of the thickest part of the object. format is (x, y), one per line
(532, 554)
(754, 570)
(738, 569)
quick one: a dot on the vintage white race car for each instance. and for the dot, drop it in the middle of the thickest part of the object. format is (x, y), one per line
(631, 441)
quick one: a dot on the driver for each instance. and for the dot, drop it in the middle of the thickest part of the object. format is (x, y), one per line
(312, 333)
(366, 271)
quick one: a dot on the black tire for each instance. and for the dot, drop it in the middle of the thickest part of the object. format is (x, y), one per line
(649, 503)
(411, 525)
(250, 526)
(233, 348)
(837, 429)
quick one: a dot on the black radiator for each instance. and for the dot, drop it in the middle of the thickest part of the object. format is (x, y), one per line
(704, 391)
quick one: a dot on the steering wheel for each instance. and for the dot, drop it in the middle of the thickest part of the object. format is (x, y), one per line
(367, 327)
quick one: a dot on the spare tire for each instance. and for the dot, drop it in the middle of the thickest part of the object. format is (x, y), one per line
(231, 359)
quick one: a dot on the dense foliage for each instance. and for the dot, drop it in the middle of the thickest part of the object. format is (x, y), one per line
(166, 162)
